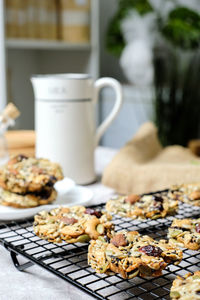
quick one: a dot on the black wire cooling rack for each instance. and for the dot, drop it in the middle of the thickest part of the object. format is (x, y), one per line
(69, 262)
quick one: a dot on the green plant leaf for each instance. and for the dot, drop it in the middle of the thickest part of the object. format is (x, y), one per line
(182, 28)
(141, 6)
(114, 39)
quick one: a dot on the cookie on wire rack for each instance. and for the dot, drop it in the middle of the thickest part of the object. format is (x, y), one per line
(187, 287)
(147, 206)
(187, 193)
(130, 254)
(185, 233)
(24, 174)
(72, 225)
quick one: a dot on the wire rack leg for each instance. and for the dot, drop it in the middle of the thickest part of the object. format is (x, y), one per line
(18, 266)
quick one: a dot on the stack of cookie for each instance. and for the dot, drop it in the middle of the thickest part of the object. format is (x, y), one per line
(28, 182)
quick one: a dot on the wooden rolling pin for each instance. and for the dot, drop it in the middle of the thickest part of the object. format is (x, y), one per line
(21, 141)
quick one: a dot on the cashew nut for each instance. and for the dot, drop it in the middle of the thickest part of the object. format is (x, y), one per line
(90, 228)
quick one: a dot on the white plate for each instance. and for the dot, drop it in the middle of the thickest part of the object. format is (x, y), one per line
(64, 186)
(74, 196)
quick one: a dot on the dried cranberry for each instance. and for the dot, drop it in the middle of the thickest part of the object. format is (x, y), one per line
(106, 238)
(151, 250)
(158, 199)
(20, 157)
(160, 207)
(198, 228)
(93, 212)
(52, 180)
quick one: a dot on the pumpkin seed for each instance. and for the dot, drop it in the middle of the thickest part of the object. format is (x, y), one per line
(109, 252)
(101, 239)
(133, 274)
(174, 233)
(145, 270)
(104, 267)
(83, 238)
(51, 221)
(175, 294)
(156, 217)
(100, 228)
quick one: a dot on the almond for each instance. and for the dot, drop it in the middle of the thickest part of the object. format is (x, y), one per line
(132, 198)
(195, 195)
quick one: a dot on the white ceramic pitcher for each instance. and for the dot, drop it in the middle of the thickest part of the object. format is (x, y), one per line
(65, 121)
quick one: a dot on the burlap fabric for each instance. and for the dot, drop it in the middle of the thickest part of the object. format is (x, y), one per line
(142, 165)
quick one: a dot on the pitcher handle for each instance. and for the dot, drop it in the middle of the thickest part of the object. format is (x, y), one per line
(98, 85)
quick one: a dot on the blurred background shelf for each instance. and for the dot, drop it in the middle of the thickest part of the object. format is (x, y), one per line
(21, 57)
(16, 43)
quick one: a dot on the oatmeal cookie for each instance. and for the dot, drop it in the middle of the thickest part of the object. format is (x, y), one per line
(130, 254)
(72, 225)
(27, 201)
(24, 174)
(185, 233)
(147, 206)
(187, 287)
(188, 193)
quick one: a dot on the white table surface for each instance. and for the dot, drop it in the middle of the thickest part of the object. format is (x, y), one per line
(37, 283)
